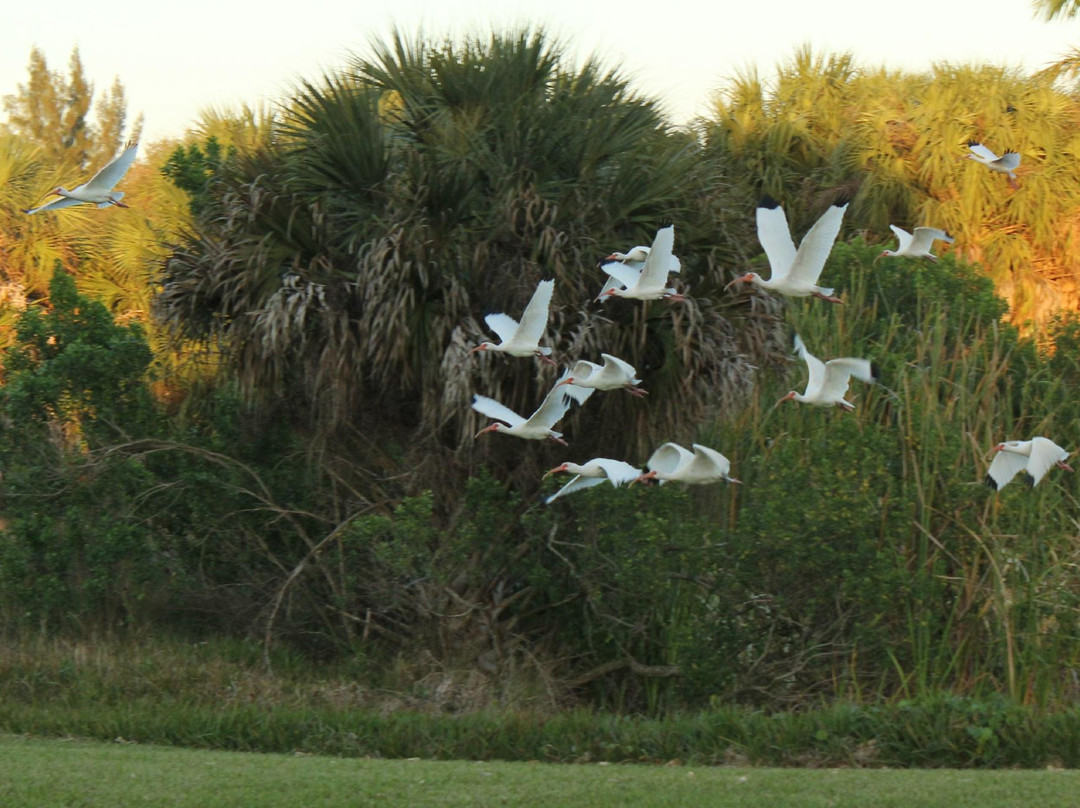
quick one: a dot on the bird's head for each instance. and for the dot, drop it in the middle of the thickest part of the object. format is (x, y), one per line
(556, 470)
(789, 397)
(637, 254)
(483, 346)
(882, 254)
(608, 293)
(495, 427)
(60, 190)
(749, 277)
(567, 380)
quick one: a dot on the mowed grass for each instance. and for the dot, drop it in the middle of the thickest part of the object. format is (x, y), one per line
(84, 773)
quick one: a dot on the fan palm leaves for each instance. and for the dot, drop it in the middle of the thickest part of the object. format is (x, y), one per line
(1056, 9)
(354, 254)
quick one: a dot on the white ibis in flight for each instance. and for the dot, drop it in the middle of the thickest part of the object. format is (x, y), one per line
(539, 425)
(1005, 164)
(99, 190)
(612, 375)
(916, 244)
(795, 272)
(594, 472)
(522, 339)
(828, 382)
(1034, 457)
(647, 281)
(673, 463)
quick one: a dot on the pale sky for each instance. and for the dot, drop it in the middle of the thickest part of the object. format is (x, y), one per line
(177, 59)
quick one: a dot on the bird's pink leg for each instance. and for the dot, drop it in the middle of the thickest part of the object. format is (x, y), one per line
(558, 440)
(827, 297)
(637, 391)
(547, 360)
(121, 205)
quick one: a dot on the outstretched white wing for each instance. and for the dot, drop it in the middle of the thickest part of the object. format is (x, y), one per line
(839, 371)
(1004, 467)
(980, 151)
(582, 369)
(534, 320)
(576, 484)
(113, 172)
(615, 365)
(493, 409)
(902, 236)
(1044, 455)
(924, 238)
(708, 461)
(502, 324)
(1009, 160)
(817, 244)
(558, 401)
(660, 260)
(624, 274)
(617, 471)
(56, 204)
(814, 366)
(668, 459)
(775, 236)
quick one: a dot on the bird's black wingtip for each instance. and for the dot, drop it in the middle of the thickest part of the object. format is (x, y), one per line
(875, 371)
(666, 223)
(842, 201)
(973, 143)
(1029, 481)
(768, 202)
(990, 483)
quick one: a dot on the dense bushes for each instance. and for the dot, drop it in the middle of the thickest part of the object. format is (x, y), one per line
(860, 557)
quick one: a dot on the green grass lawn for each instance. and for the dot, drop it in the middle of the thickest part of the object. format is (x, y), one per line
(35, 772)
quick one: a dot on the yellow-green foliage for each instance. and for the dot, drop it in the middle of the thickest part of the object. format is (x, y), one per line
(897, 142)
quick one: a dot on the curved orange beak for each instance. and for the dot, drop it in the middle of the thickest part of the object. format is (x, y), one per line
(740, 279)
(788, 397)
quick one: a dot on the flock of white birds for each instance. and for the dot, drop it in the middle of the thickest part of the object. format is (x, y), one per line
(642, 274)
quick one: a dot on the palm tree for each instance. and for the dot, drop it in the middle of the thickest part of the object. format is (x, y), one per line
(350, 258)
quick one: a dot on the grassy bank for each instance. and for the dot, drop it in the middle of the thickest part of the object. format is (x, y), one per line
(220, 697)
(121, 774)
